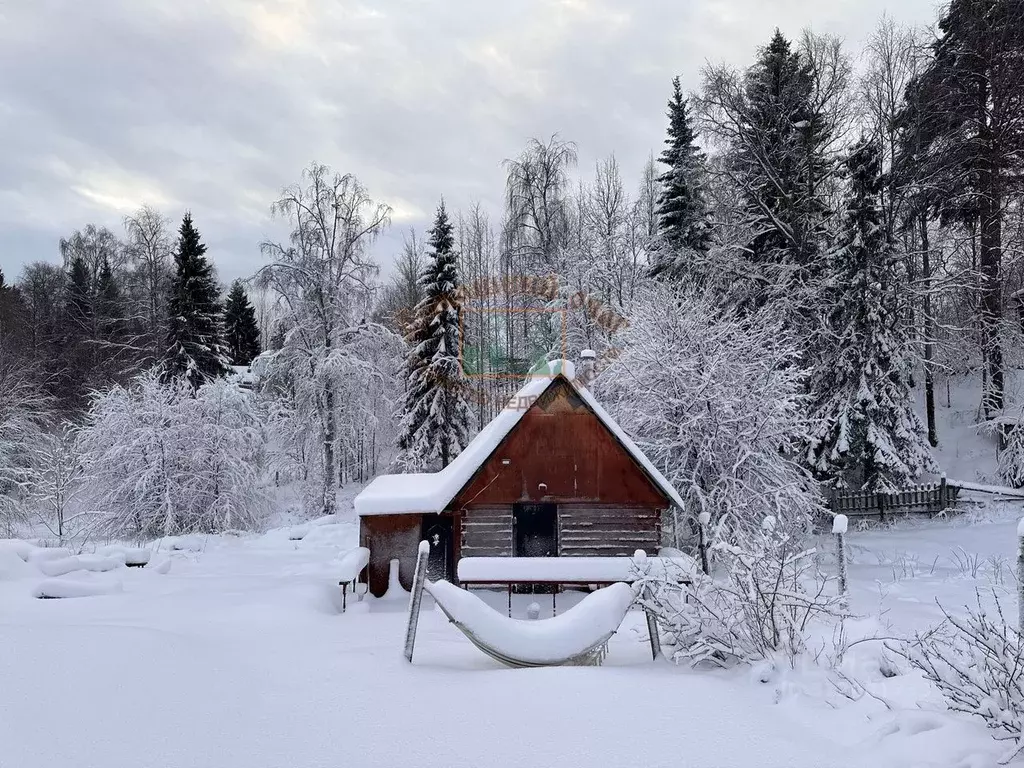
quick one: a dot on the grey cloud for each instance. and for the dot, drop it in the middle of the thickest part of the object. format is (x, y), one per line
(109, 104)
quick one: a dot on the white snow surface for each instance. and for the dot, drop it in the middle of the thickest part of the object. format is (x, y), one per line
(542, 641)
(240, 657)
(428, 492)
(64, 565)
(840, 523)
(64, 588)
(572, 569)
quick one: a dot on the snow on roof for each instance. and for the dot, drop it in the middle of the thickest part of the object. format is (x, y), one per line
(429, 492)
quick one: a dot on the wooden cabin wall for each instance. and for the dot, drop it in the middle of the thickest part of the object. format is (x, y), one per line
(583, 530)
(560, 452)
(607, 531)
(389, 537)
(486, 531)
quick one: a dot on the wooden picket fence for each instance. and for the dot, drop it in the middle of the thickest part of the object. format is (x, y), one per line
(928, 499)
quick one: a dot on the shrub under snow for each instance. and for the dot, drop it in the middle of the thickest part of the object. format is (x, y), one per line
(978, 667)
(768, 594)
(161, 461)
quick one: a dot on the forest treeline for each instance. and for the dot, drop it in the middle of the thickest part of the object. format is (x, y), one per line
(814, 244)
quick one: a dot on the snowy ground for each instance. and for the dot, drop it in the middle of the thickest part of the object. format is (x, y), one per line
(238, 656)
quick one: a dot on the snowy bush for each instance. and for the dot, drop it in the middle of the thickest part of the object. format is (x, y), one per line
(161, 461)
(977, 663)
(56, 483)
(761, 607)
(23, 411)
(715, 401)
(1011, 459)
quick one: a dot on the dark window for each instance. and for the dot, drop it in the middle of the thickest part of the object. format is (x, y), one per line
(536, 530)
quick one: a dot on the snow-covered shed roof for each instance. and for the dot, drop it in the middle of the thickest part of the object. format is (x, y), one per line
(429, 492)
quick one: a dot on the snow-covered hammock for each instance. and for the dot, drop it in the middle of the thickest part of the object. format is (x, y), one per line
(578, 636)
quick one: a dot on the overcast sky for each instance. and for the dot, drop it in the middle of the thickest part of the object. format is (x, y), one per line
(214, 105)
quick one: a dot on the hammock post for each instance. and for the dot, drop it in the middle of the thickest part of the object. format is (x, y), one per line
(416, 598)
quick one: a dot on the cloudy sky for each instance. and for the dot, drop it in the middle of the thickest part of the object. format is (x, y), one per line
(214, 105)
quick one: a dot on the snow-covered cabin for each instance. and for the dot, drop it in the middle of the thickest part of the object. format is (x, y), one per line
(551, 475)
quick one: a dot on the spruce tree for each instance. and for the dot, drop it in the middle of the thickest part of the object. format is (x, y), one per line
(683, 225)
(241, 331)
(780, 160)
(435, 425)
(194, 347)
(865, 432)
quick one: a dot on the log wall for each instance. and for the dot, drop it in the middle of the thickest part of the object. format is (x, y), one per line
(607, 531)
(486, 531)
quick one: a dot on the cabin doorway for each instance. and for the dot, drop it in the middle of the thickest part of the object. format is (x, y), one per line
(438, 532)
(536, 530)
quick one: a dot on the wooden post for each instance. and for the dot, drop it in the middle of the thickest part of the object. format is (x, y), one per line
(1020, 576)
(839, 524)
(416, 598)
(702, 540)
(880, 501)
(652, 631)
(942, 492)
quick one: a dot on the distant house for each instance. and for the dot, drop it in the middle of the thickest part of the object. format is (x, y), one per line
(551, 475)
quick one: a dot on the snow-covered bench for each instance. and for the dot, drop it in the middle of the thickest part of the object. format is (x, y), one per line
(351, 565)
(571, 571)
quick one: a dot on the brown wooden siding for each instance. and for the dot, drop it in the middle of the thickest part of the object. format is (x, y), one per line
(486, 531)
(605, 531)
(389, 537)
(560, 443)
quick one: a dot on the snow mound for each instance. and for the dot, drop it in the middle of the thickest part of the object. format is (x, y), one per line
(127, 555)
(96, 563)
(13, 567)
(159, 566)
(64, 588)
(48, 553)
(537, 641)
(839, 524)
(22, 549)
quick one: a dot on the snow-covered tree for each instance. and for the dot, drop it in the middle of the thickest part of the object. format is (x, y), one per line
(56, 483)
(864, 430)
(780, 123)
(162, 460)
(683, 224)
(435, 424)
(24, 406)
(715, 401)
(241, 333)
(333, 370)
(195, 345)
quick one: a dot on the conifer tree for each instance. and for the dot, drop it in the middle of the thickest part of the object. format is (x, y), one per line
(865, 432)
(779, 119)
(682, 211)
(195, 347)
(436, 421)
(241, 331)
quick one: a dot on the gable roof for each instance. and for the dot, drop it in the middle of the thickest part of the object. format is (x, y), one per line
(429, 492)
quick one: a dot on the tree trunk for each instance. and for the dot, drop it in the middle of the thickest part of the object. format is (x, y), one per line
(929, 335)
(990, 242)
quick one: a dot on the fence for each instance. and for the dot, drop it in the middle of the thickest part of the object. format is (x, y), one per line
(929, 499)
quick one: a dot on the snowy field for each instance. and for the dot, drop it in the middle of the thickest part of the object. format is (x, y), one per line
(237, 656)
